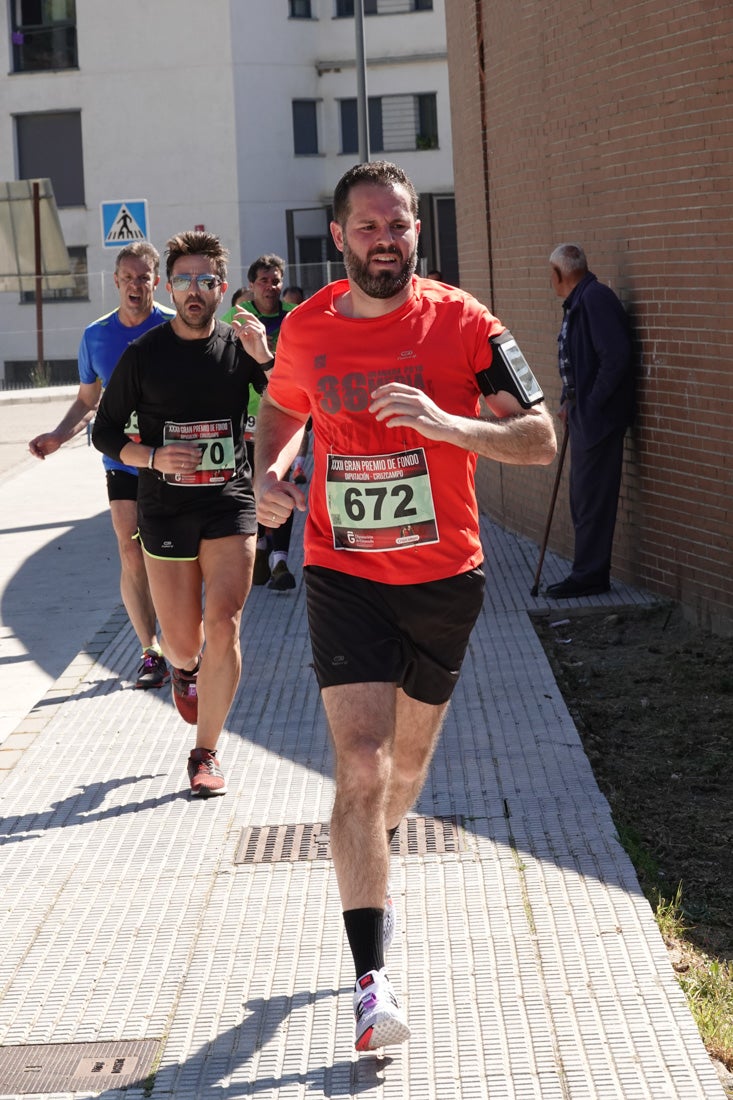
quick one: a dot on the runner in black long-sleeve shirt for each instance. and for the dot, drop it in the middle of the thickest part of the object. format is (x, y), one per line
(189, 383)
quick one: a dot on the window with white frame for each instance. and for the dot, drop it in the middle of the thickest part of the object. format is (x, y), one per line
(43, 35)
(396, 123)
(305, 127)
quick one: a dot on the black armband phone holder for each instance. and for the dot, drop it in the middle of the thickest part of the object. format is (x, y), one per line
(509, 371)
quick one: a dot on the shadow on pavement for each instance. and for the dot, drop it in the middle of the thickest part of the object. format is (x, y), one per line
(62, 594)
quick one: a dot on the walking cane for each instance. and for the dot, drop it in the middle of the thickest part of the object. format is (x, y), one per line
(563, 448)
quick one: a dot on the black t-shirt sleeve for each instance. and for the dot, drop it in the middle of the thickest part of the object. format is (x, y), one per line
(119, 401)
(259, 378)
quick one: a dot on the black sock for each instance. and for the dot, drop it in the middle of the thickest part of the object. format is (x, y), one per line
(365, 931)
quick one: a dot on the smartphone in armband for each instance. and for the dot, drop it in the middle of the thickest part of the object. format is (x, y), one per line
(509, 371)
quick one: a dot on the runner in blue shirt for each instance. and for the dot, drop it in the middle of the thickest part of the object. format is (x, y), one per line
(136, 275)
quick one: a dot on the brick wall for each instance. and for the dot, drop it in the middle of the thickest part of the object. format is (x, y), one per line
(610, 124)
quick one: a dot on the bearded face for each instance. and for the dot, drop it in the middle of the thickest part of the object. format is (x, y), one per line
(378, 239)
(383, 273)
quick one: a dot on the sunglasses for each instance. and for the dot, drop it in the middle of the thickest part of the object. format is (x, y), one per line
(203, 282)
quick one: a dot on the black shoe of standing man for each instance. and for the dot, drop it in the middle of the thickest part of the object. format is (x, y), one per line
(569, 588)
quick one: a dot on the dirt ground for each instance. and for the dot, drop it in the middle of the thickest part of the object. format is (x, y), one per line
(652, 698)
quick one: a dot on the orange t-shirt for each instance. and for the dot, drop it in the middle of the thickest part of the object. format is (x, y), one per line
(385, 503)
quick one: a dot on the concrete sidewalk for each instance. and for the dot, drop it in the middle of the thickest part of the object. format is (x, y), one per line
(161, 947)
(59, 568)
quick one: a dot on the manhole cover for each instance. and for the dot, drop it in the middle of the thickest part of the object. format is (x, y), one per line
(295, 843)
(76, 1067)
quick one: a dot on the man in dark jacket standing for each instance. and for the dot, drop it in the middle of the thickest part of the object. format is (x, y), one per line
(597, 404)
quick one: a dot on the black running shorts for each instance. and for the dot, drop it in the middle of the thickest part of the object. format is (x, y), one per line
(121, 485)
(176, 537)
(413, 635)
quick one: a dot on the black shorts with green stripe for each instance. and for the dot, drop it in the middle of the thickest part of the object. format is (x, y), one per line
(176, 536)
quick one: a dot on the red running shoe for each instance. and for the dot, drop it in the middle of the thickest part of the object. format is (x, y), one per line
(183, 690)
(205, 774)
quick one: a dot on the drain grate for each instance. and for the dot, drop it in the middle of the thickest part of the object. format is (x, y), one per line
(76, 1067)
(416, 836)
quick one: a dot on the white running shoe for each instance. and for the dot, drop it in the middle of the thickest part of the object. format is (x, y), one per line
(379, 1020)
(390, 921)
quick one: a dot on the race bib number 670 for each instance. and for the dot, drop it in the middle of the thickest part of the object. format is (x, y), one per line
(215, 442)
(380, 502)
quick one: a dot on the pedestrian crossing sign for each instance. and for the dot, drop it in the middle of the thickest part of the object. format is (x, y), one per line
(124, 222)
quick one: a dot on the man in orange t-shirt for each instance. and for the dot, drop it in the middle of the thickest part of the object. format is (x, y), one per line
(386, 363)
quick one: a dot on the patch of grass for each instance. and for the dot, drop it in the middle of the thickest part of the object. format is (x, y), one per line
(670, 918)
(644, 863)
(707, 982)
(709, 992)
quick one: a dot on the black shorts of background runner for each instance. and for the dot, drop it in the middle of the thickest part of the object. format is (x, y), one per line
(121, 485)
(175, 536)
(413, 635)
(279, 536)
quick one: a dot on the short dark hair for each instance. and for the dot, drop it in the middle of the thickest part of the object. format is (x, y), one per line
(196, 243)
(139, 250)
(376, 171)
(268, 261)
(242, 292)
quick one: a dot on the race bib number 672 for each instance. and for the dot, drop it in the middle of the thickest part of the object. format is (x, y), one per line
(380, 502)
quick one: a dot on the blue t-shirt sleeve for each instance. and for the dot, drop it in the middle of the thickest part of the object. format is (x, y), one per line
(87, 373)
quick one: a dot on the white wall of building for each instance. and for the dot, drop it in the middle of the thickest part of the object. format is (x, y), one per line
(273, 66)
(188, 106)
(157, 124)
